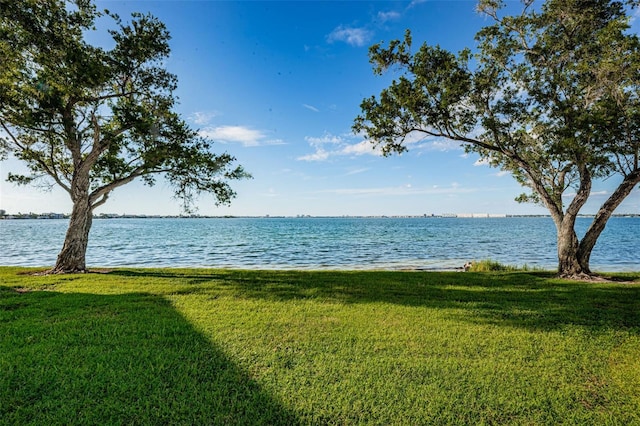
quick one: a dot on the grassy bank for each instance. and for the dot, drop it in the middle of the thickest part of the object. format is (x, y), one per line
(151, 346)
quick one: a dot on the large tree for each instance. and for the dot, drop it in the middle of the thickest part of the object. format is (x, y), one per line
(550, 95)
(91, 119)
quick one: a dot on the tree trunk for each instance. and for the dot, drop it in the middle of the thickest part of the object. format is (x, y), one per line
(589, 240)
(72, 256)
(569, 265)
(604, 214)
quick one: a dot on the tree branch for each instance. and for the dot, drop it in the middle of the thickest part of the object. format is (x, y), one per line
(100, 202)
(138, 172)
(54, 172)
(582, 195)
(606, 210)
(11, 135)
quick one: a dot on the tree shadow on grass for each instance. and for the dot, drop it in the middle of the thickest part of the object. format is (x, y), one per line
(125, 359)
(530, 300)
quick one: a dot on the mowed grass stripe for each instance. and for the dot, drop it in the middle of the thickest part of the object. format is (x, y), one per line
(198, 346)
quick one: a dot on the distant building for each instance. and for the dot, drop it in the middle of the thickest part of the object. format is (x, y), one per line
(51, 216)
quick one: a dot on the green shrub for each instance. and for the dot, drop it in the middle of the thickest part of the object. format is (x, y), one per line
(489, 265)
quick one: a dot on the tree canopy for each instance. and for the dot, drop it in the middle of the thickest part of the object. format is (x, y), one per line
(90, 119)
(550, 95)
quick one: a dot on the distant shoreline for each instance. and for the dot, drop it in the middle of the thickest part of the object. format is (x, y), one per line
(26, 216)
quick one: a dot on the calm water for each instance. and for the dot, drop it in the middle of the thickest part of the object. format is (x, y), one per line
(317, 243)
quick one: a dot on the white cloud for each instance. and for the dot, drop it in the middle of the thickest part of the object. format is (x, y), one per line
(420, 141)
(237, 134)
(416, 2)
(388, 16)
(339, 146)
(358, 171)
(311, 107)
(404, 190)
(203, 117)
(319, 155)
(361, 148)
(438, 144)
(485, 162)
(328, 138)
(354, 36)
(481, 162)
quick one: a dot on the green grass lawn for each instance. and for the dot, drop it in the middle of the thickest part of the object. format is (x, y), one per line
(177, 346)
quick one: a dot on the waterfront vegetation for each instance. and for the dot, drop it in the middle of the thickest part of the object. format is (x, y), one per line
(489, 265)
(202, 346)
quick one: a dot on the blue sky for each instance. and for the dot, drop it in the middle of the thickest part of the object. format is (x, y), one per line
(278, 84)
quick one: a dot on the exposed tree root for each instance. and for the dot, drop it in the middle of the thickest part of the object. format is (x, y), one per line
(583, 276)
(592, 278)
(59, 271)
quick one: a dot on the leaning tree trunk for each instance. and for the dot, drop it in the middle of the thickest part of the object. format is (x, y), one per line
(591, 237)
(604, 214)
(72, 256)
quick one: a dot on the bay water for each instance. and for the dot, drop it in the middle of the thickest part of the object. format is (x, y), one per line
(429, 243)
